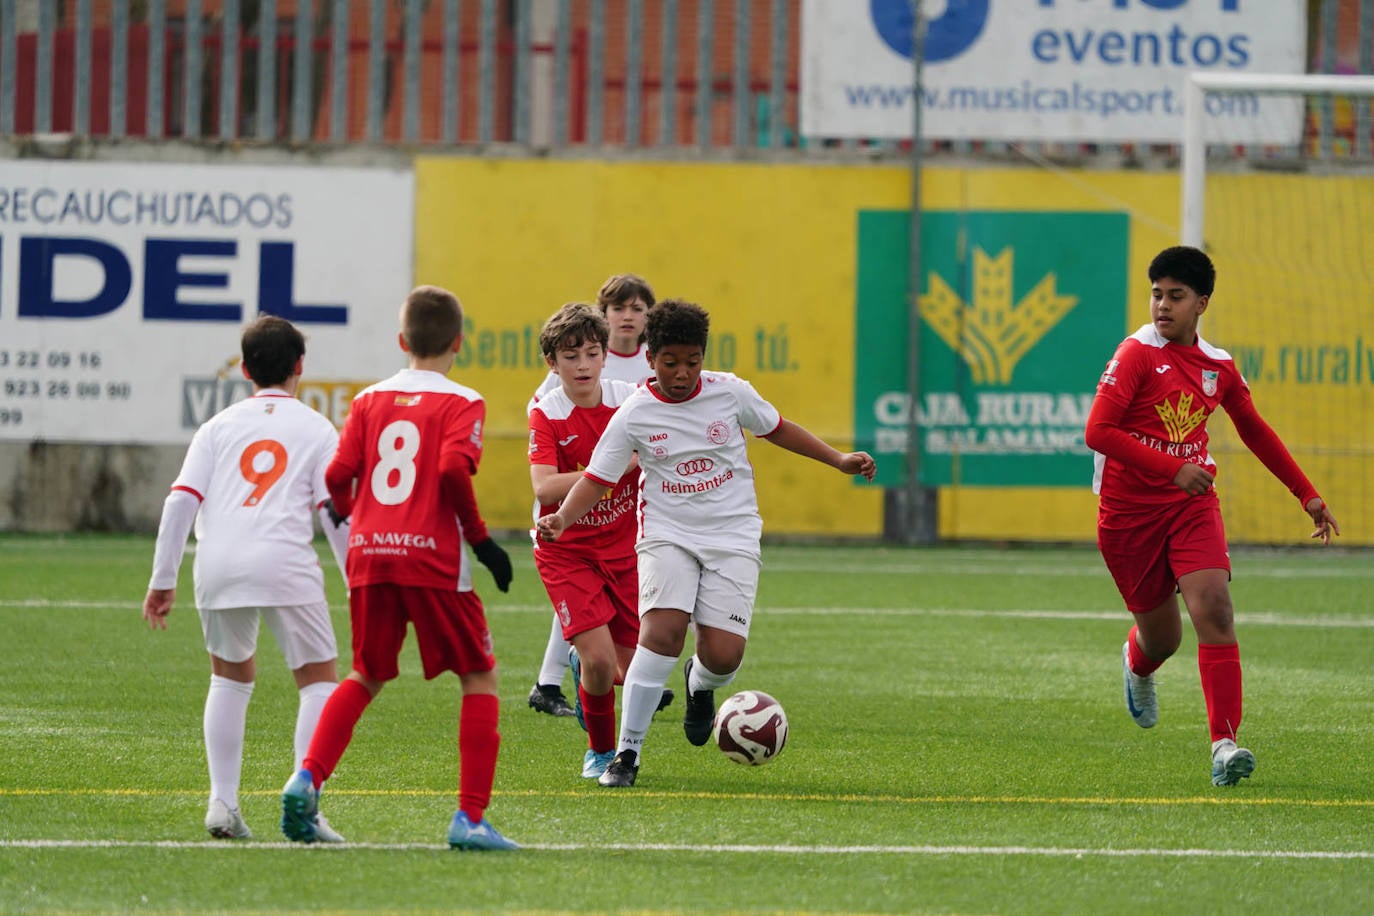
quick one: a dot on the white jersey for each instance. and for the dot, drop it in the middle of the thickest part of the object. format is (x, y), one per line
(258, 468)
(620, 367)
(696, 482)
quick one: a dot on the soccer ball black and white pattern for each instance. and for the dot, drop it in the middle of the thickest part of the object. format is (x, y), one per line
(750, 728)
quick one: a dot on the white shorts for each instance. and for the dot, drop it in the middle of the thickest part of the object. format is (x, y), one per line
(716, 587)
(304, 632)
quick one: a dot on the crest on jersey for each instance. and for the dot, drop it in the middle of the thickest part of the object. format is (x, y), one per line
(718, 432)
(407, 400)
(1209, 382)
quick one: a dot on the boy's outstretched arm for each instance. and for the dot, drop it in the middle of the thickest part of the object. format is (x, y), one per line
(798, 439)
(583, 495)
(1266, 445)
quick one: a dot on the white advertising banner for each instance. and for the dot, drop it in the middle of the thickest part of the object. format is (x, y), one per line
(124, 289)
(1087, 71)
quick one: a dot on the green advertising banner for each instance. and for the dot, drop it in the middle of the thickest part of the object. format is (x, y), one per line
(1020, 311)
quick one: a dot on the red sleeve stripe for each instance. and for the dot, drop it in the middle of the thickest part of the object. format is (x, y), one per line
(189, 490)
(597, 480)
(774, 429)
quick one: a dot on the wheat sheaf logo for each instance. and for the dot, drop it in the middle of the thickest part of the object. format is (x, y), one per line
(991, 333)
(1181, 420)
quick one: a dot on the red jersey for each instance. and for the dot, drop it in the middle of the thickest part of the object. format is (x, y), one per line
(1150, 417)
(411, 443)
(563, 435)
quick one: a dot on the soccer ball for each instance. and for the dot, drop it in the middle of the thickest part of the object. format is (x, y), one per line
(750, 728)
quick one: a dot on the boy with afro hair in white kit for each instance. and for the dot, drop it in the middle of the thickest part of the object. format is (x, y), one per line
(698, 548)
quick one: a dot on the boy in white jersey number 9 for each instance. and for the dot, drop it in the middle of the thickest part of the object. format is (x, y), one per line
(251, 478)
(698, 547)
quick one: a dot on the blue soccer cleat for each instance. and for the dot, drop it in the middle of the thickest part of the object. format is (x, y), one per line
(300, 808)
(464, 834)
(575, 663)
(595, 763)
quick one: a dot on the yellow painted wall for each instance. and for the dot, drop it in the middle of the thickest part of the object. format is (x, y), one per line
(769, 250)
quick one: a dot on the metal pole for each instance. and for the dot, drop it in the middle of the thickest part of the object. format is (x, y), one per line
(229, 71)
(1194, 161)
(81, 104)
(302, 107)
(193, 56)
(339, 57)
(9, 43)
(267, 71)
(920, 525)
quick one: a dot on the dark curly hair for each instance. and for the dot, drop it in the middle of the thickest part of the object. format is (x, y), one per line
(675, 321)
(271, 347)
(1188, 266)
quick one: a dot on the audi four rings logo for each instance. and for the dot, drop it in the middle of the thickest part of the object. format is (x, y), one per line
(695, 466)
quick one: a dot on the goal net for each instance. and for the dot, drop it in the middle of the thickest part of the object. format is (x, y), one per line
(1278, 187)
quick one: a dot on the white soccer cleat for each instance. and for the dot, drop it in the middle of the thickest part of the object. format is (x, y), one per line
(1141, 701)
(324, 833)
(1230, 764)
(226, 823)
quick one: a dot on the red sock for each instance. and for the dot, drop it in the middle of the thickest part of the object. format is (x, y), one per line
(1220, 670)
(599, 714)
(1141, 664)
(478, 742)
(341, 713)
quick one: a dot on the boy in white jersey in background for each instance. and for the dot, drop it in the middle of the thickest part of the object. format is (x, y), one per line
(625, 300)
(589, 573)
(699, 533)
(251, 479)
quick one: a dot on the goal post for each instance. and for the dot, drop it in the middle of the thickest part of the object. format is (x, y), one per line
(1278, 187)
(1194, 147)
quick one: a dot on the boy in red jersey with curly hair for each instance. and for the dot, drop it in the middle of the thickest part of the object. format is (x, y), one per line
(1159, 524)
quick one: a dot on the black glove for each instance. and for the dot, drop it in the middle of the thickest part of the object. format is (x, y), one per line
(334, 515)
(496, 560)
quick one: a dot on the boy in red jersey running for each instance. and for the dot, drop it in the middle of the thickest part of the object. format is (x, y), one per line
(625, 301)
(404, 472)
(1159, 524)
(699, 524)
(590, 572)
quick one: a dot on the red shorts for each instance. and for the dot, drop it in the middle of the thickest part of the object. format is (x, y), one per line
(450, 629)
(1147, 554)
(589, 591)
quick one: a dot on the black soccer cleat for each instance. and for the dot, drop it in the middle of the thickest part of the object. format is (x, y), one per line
(621, 772)
(664, 701)
(548, 698)
(700, 713)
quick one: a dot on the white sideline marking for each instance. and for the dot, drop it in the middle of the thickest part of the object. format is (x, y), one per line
(1077, 852)
(1256, 618)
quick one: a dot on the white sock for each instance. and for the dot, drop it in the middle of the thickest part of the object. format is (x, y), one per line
(703, 678)
(313, 698)
(644, 681)
(226, 711)
(555, 657)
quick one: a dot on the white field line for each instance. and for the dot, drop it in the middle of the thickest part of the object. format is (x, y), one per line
(1253, 618)
(1077, 852)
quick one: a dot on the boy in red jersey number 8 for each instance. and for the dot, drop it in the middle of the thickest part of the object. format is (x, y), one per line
(403, 471)
(1159, 520)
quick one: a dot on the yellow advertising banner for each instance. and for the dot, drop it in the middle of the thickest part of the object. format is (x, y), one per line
(770, 250)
